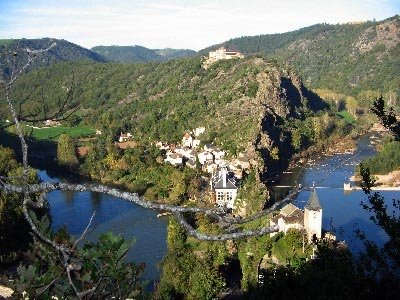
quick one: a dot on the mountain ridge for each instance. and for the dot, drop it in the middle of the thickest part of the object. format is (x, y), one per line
(132, 54)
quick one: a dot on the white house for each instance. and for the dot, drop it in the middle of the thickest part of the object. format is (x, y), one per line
(98, 132)
(52, 123)
(186, 152)
(174, 159)
(204, 157)
(225, 189)
(198, 131)
(290, 217)
(187, 140)
(221, 162)
(125, 137)
(218, 154)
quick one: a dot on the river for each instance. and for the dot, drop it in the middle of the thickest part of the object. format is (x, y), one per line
(74, 209)
(342, 212)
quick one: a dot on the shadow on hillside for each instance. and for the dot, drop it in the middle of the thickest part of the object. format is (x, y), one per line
(315, 102)
(292, 93)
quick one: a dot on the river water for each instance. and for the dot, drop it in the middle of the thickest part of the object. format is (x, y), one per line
(342, 212)
(74, 209)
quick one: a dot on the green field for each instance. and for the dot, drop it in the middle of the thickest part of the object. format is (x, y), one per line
(346, 116)
(53, 133)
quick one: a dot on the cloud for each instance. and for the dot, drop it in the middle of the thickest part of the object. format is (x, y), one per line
(179, 24)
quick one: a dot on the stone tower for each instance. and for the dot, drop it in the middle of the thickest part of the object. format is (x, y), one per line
(313, 217)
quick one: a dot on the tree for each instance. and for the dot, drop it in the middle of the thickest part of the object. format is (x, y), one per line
(66, 153)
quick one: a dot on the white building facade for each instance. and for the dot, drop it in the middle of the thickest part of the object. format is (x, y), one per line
(225, 190)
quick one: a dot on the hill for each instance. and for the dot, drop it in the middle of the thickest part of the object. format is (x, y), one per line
(250, 105)
(348, 58)
(129, 54)
(63, 51)
(169, 53)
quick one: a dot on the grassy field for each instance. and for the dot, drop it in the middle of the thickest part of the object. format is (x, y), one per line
(346, 116)
(53, 133)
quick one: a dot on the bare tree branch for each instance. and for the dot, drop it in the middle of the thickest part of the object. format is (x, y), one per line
(83, 235)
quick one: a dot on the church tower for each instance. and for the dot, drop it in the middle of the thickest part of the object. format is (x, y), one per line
(313, 217)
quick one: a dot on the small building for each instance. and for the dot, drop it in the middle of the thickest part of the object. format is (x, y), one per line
(225, 189)
(99, 132)
(174, 159)
(124, 137)
(199, 131)
(347, 186)
(292, 217)
(187, 140)
(218, 154)
(52, 123)
(205, 157)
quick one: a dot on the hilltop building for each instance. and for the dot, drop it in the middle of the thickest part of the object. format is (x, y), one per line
(225, 189)
(292, 217)
(221, 53)
(224, 53)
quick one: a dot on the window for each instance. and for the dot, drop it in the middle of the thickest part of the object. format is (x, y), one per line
(220, 196)
(229, 196)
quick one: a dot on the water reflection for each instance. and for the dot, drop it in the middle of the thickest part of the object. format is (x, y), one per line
(112, 214)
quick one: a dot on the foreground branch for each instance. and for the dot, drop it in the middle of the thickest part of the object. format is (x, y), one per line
(224, 236)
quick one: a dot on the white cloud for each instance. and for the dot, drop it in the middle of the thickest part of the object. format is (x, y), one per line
(180, 24)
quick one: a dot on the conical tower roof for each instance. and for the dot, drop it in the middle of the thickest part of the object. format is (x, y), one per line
(313, 201)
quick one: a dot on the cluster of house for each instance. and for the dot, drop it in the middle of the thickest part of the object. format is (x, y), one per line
(309, 220)
(221, 53)
(51, 123)
(210, 158)
(224, 173)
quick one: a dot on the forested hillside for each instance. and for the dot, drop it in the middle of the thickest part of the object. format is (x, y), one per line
(13, 54)
(129, 54)
(353, 59)
(252, 105)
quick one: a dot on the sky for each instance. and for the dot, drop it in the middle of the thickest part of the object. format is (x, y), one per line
(193, 24)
